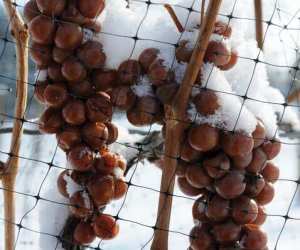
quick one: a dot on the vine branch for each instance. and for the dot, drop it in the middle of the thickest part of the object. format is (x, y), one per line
(175, 127)
(20, 33)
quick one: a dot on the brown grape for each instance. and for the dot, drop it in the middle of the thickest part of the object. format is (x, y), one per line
(261, 216)
(270, 172)
(217, 53)
(62, 183)
(74, 112)
(51, 8)
(266, 195)
(236, 144)
(231, 185)
(244, 210)
(99, 108)
(72, 14)
(104, 80)
(242, 161)
(167, 92)
(206, 102)
(218, 209)
(81, 158)
(232, 61)
(91, 8)
(73, 70)
(217, 166)
(255, 184)
(30, 10)
(55, 95)
(95, 134)
(92, 55)
(203, 137)
(183, 53)
(51, 121)
(272, 148)
(60, 55)
(68, 36)
(199, 208)
(120, 188)
(105, 227)
(181, 168)
(102, 189)
(222, 29)
(112, 132)
(68, 138)
(42, 30)
(39, 90)
(80, 204)
(200, 239)
(81, 89)
(158, 73)
(129, 72)
(197, 177)
(123, 97)
(188, 154)
(54, 72)
(259, 134)
(187, 189)
(40, 54)
(84, 233)
(147, 57)
(258, 162)
(254, 238)
(226, 232)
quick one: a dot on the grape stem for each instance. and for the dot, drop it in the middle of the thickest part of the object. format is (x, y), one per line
(21, 36)
(175, 125)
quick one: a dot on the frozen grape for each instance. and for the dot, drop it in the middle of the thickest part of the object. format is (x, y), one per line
(254, 238)
(200, 239)
(51, 121)
(104, 80)
(51, 8)
(95, 134)
(68, 36)
(218, 209)
(197, 177)
(92, 55)
(259, 134)
(242, 161)
(217, 166)
(60, 55)
(187, 189)
(55, 95)
(91, 8)
(54, 72)
(258, 162)
(30, 10)
(105, 227)
(99, 107)
(270, 172)
(73, 70)
(206, 102)
(244, 210)
(129, 72)
(235, 144)
(203, 137)
(40, 54)
(42, 30)
(84, 233)
(68, 138)
(123, 97)
(188, 154)
(255, 184)
(266, 195)
(147, 57)
(81, 158)
(227, 232)
(80, 204)
(74, 112)
(217, 53)
(272, 148)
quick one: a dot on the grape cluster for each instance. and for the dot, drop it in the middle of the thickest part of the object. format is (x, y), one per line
(230, 172)
(78, 108)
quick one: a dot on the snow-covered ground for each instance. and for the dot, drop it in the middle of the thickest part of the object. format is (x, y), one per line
(43, 219)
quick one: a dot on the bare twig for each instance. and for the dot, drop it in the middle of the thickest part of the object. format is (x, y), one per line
(21, 36)
(202, 13)
(259, 23)
(175, 128)
(174, 17)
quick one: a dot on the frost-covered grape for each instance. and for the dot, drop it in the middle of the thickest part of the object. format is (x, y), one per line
(104, 79)
(56, 95)
(99, 107)
(81, 158)
(217, 53)
(266, 195)
(259, 134)
(74, 112)
(102, 189)
(95, 134)
(80, 204)
(218, 209)
(197, 177)
(147, 57)
(272, 148)
(244, 210)
(232, 61)
(92, 55)
(129, 72)
(84, 233)
(123, 97)
(42, 29)
(203, 137)
(271, 172)
(105, 227)
(206, 102)
(217, 166)
(68, 138)
(231, 185)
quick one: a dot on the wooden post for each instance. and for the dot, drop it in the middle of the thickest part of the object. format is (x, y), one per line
(259, 23)
(21, 36)
(175, 127)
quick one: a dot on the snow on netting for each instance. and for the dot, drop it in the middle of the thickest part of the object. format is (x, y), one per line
(258, 86)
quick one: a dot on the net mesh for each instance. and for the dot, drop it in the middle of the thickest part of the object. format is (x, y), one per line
(39, 207)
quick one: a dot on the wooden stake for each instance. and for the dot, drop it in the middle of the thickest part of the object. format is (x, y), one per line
(202, 13)
(175, 127)
(21, 36)
(174, 17)
(259, 23)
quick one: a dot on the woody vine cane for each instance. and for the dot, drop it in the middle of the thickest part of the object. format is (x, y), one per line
(175, 126)
(8, 175)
